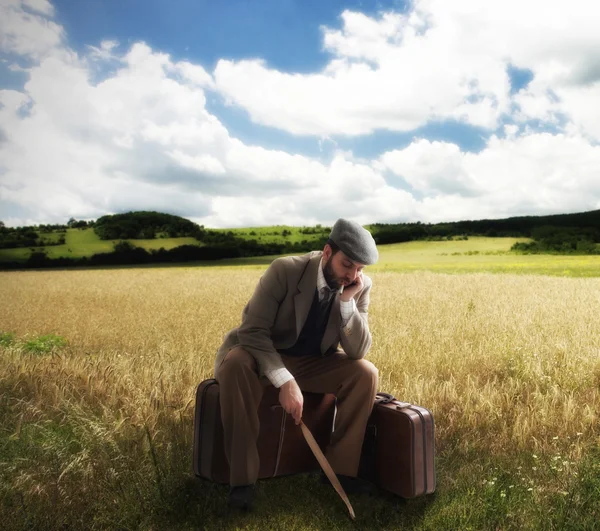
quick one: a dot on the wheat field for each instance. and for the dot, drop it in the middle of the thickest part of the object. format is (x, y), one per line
(97, 433)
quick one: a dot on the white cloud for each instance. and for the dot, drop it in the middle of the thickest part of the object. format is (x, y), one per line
(31, 35)
(104, 51)
(346, 189)
(442, 60)
(385, 74)
(431, 167)
(142, 138)
(535, 173)
(200, 163)
(582, 105)
(194, 74)
(77, 141)
(41, 6)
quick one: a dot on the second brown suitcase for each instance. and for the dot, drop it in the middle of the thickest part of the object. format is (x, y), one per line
(281, 445)
(398, 450)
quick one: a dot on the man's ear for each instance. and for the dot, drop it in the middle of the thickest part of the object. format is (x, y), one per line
(327, 250)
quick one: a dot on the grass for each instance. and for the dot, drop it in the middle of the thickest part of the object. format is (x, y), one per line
(44, 344)
(97, 432)
(274, 233)
(85, 242)
(50, 237)
(477, 254)
(6, 339)
(491, 255)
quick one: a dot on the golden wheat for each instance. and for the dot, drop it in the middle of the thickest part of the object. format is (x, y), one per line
(506, 363)
(523, 351)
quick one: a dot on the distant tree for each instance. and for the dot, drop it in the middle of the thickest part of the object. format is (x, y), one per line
(77, 224)
(38, 259)
(586, 247)
(148, 233)
(133, 225)
(123, 246)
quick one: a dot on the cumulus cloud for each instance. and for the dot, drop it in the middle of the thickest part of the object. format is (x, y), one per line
(111, 128)
(104, 51)
(25, 29)
(538, 172)
(440, 60)
(41, 6)
(431, 168)
(141, 138)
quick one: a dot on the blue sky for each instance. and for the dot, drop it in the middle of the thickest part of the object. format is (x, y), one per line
(285, 33)
(237, 113)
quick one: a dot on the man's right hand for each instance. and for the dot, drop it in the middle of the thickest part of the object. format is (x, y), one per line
(291, 399)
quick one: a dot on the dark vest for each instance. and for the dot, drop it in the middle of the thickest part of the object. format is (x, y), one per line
(311, 335)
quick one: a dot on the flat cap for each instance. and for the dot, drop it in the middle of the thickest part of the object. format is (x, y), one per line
(354, 241)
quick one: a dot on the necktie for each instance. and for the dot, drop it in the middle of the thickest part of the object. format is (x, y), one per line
(326, 295)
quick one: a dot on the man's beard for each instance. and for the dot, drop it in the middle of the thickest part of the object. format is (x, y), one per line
(332, 281)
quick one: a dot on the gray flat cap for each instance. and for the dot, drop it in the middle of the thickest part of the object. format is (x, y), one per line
(354, 241)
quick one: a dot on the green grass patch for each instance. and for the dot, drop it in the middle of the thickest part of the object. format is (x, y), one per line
(281, 233)
(7, 339)
(165, 243)
(50, 237)
(81, 469)
(85, 242)
(44, 344)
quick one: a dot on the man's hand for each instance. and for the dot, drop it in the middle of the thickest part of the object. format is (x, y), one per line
(353, 289)
(291, 399)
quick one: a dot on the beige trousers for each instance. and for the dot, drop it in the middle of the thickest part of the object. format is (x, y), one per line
(354, 382)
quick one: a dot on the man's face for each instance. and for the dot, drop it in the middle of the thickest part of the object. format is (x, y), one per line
(338, 269)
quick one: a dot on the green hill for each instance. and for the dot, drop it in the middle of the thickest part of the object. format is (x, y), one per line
(85, 242)
(145, 225)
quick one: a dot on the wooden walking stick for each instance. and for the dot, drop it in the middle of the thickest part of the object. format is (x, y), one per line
(326, 467)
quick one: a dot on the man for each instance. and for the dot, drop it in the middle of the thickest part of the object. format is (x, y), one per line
(303, 308)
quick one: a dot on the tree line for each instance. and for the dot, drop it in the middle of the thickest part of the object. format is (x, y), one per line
(125, 253)
(566, 233)
(145, 225)
(15, 237)
(561, 240)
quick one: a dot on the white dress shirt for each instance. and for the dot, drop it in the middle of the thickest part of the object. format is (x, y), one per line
(347, 308)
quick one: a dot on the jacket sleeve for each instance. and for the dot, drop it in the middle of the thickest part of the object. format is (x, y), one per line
(258, 317)
(355, 337)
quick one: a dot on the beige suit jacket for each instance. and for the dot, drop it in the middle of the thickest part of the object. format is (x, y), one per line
(277, 311)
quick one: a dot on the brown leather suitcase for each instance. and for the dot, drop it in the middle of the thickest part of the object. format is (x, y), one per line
(281, 444)
(398, 450)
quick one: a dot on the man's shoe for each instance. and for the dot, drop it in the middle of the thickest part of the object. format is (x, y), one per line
(351, 485)
(241, 497)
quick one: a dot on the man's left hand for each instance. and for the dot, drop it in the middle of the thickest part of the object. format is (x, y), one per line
(352, 289)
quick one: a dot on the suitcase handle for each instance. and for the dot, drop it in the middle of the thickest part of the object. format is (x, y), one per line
(386, 398)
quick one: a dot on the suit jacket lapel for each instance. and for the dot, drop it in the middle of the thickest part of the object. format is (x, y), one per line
(333, 325)
(306, 292)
